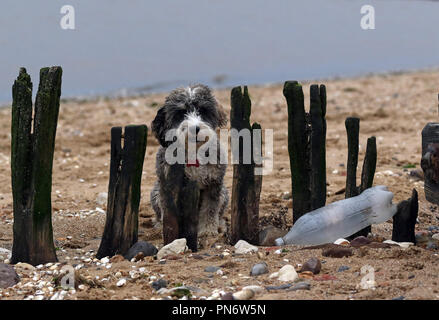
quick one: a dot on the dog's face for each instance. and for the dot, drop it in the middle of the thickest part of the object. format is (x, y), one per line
(192, 112)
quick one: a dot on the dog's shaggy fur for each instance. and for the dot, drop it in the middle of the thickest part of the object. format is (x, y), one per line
(184, 110)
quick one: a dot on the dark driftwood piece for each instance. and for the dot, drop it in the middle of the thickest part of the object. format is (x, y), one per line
(121, 226)
(353, 131)
(369, 166)
(246, 186)
(298, 149)
(318, 149)
(31, 165)
(306, 147)
(430, 161)
(181, 209)
(405, 219)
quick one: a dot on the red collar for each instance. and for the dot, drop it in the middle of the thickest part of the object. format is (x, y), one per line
(196, 164)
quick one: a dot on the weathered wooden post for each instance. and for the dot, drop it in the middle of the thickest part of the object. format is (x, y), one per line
(369, 165)
(430, 161)
(121, 226)
(306, 147)
(318, 149)
(405, 219)
(246, 187)
(31, 165)
(353, 132)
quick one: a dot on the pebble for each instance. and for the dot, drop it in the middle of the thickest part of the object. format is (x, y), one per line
(242, 247)
(300, 286)
(175, 247)
(343, 268)
(211, 269)
(159, 284)
(254, 288)
(141, 247)
(121, 282)
(258, 269)
(243, 295)
(286, 273)
(268, 236)
(360, 241)
(8, 276)
(227, 296)
(341, 242)
(105, 260)
(435, 236)
(281, 287)
(101, 199)
(338, 252)
(401, 244)
(117, 258)
(314, 265)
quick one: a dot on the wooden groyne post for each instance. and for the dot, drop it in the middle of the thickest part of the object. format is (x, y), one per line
(33, 144)
(369, 165)
(306, 147)
(121, 226)
(246, 188)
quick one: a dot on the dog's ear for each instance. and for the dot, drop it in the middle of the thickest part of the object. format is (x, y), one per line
(222, 116)
(158, 126)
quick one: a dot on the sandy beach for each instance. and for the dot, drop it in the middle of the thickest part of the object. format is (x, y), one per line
(393, 107)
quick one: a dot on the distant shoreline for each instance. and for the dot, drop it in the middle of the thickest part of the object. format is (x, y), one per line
(136, 92)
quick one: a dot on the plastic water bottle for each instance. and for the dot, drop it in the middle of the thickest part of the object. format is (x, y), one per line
(342, 218)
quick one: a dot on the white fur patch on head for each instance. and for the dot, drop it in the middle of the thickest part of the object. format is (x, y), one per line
(191, 91)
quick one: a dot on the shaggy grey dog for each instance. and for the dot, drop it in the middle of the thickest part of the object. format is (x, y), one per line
(192, 109)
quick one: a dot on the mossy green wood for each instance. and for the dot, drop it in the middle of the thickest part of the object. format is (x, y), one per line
(31, 165)
(246, 186)
(126, 165)
(298, 149)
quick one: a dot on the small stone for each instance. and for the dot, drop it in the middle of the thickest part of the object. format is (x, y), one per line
(105, 260)
(306, 275)
(300, 286)
(337, 252)
(341, 242)
(242, 247)
(211, 269)
(435, 236)
(258, 269)
(342, 268)
(360, 241)
(121, 282)
(175, 247)
(117, 258)
(287, 273)
(314, 265)
(281, 287)
(143, 247)
(268, 236)
(101, 199)
(25, 266)
(159, 284)
(401, 244)
(254, 288)
(8, 276)
(227, 296)
(243, 295)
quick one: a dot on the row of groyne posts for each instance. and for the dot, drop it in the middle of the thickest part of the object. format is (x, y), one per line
(33, 134)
